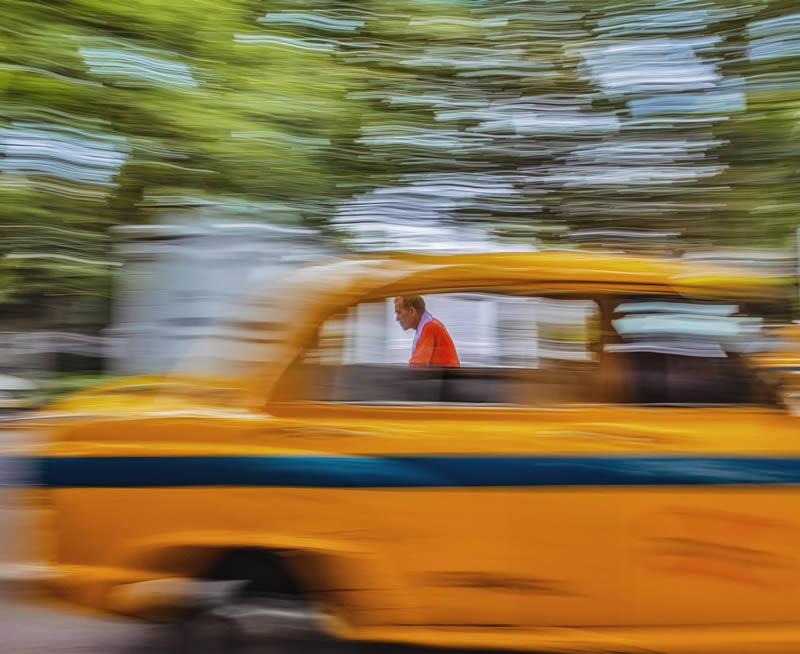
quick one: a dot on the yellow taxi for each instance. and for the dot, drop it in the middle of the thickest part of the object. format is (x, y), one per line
(605, 471)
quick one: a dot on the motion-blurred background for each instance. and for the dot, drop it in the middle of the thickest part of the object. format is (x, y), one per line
(155, 156)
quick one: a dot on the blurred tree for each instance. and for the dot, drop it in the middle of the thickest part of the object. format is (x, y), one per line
(112, 110)
(525, 119)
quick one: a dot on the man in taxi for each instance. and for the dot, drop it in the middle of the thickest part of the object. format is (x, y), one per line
(432, 344)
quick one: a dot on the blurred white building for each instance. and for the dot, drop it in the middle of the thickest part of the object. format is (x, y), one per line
(178, 278)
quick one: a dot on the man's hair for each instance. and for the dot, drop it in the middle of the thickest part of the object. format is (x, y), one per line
(416, 302)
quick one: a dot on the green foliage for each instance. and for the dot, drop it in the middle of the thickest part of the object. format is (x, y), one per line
(110, 110)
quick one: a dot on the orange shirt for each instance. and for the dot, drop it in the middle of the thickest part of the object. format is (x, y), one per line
(434, 347)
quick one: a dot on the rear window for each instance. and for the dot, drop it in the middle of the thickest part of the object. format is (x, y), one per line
(683, 352)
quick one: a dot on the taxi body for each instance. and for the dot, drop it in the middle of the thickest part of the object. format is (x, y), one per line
(608, 474)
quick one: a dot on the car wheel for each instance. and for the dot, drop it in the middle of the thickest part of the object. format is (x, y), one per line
(206, 632)
(251, 623)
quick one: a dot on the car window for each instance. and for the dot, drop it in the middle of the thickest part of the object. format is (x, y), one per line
(512, 350)
(518, 350)
(682, 352)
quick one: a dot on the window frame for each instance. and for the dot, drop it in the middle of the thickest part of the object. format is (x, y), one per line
(607, 297)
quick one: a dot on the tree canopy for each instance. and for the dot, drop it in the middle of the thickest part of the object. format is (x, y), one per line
(523, 119)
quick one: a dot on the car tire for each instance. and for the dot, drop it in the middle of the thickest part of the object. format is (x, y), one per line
(252, 623)
(206, 632)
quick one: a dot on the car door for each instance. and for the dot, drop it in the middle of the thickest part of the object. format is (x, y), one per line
(484, 505)
(710, 535)
(708, 524)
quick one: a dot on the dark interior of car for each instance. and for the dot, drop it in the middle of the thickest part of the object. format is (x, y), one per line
(650, 378)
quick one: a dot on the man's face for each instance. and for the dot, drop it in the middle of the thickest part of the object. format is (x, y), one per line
(406, 316)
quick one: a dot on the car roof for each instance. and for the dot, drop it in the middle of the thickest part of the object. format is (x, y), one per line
(565, 268)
